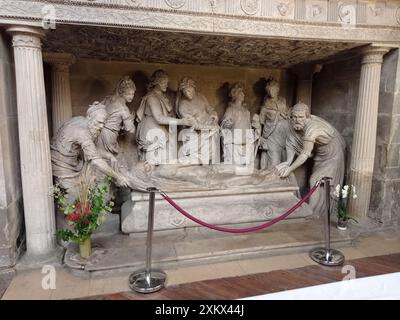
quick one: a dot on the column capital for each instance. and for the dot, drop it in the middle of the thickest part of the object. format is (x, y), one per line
(374, 53)
(26, 36)
(59, 61)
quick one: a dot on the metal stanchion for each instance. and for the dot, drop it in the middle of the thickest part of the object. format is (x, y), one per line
(327, 256)
(148, 280)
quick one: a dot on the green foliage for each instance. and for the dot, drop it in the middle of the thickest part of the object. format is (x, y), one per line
(86, 213)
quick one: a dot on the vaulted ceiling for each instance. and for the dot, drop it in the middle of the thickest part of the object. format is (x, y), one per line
(117, 44)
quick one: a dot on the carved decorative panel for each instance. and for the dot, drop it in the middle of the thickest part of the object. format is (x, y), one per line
(168, 47)
(296, 19)
(250, 7)
(175, 4)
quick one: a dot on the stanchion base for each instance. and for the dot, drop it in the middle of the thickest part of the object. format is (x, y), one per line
(142, 282)
(335, 257)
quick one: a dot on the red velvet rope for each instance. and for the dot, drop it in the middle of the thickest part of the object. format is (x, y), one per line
(246, 230)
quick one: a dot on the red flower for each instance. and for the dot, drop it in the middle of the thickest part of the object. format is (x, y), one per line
(87, 212)
(86, 221)
(73, 217)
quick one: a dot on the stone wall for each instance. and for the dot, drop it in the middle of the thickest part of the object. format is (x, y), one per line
(11, 209)
(385, 202)
(335, 94)
(93, 80)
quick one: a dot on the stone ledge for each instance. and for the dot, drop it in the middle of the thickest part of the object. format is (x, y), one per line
(200, 246)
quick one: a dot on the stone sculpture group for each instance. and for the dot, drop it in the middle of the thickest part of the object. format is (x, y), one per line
(179, 142)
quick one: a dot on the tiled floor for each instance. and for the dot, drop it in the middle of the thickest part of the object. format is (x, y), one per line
(28, 284)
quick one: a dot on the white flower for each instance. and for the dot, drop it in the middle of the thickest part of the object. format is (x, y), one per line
(355, 196)
(346, 187)
(337, 191)
(344, 193)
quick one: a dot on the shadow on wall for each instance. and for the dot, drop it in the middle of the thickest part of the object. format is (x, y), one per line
(223, 98)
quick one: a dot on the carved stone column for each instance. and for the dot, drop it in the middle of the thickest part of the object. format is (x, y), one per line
(61, 90)
(364, 139)
(34, 143)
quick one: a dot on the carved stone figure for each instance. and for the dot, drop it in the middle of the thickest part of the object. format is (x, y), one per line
(73, 149)
(204, 134)
(237, 134)
(118, 119)
(154, 115)
(273, 117)
(313, 137)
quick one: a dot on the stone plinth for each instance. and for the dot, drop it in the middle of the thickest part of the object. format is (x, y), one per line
(218, 207)
(196, 246)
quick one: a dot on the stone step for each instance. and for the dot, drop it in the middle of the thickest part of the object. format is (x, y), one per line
(196, 246)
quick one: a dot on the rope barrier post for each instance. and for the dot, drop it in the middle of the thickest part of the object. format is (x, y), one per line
(148, 280)
(327, 256)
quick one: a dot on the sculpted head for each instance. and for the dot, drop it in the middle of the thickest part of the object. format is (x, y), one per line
(236, 93)
(159, 80)
(96, 116)
(188, 88)
(272, 88)
(126, 88)
(299, 115)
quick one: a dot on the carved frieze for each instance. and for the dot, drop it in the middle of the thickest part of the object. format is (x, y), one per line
(138, 15)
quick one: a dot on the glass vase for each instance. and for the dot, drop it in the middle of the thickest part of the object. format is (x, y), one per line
(85, 248)
(342, 224)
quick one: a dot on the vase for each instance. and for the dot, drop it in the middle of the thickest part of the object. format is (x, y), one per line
(342, 224)
(85, 248)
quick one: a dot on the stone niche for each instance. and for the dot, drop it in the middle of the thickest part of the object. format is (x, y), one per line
(241, 204)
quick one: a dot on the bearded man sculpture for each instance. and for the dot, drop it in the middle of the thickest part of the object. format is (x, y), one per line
(313, 137)
(73, 149)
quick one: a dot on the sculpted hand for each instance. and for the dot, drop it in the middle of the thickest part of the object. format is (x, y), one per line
(189, 121)
(122, 181)
(114, 163)
(281, 169)
(228, 124)
(263, 143)
(285, 172)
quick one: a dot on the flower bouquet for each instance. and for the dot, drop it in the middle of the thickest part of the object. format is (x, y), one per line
(343, 195)
(85, 213)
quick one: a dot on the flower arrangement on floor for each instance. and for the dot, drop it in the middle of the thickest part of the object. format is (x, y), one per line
(343, 195)
(85, 213)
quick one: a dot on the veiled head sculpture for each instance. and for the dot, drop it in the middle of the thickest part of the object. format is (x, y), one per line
(187, 87)
(272, 88)
(236, 93)
(159, 80)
